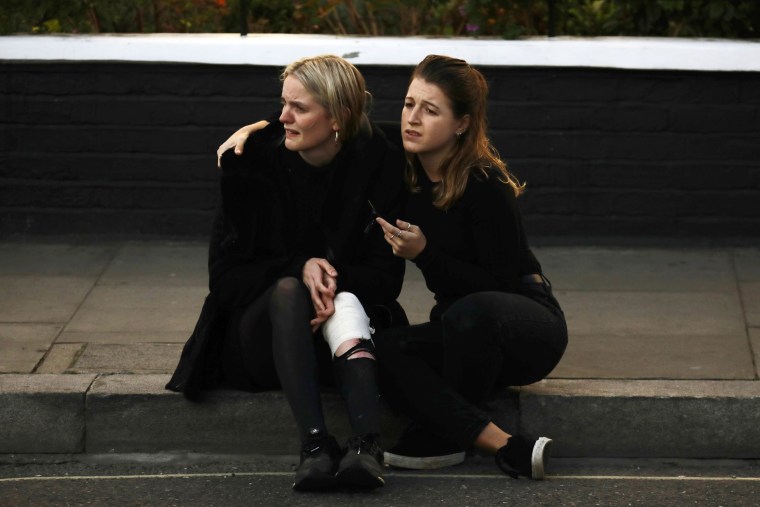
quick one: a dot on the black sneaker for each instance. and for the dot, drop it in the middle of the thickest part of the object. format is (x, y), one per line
(362, 465)
(524, 456)
(418, 449)
(319, 456)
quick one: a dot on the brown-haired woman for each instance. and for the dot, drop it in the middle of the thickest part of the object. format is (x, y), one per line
(495, 322)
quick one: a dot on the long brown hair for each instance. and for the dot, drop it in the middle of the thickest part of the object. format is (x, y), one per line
(467, 91)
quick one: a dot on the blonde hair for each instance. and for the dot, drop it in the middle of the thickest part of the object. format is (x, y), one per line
(337, 86)
(467, 92)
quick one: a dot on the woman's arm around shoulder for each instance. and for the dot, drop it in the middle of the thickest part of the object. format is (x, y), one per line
(247, 146)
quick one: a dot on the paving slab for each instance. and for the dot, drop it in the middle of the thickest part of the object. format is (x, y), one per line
(62, 259)
(43, 413)
(127, 358)
(118, 337)
(751, 298)
(415, 297)
(747, 261)
(417, 301)
(656, 418)
(657, 356)
(24, 345)
(652, 313)
(754, 340)
(138, 309)
(637, 269)
(169, 264)
(60, 358)
(41, 299)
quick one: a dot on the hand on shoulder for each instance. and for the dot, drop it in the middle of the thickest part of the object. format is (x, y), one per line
(238, 139)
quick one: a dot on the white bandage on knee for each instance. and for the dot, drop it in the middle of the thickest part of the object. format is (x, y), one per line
(348, 322)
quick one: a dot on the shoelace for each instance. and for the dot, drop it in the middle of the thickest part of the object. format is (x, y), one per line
(314, 444)
(361, 442)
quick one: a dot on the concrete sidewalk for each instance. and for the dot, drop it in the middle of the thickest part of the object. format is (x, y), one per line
(662, 361)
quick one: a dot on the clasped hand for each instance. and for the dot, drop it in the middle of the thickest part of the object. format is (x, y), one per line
(320, 277)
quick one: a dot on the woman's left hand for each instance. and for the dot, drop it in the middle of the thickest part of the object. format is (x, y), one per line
(406, 239)
(319, 276)
(327, 298)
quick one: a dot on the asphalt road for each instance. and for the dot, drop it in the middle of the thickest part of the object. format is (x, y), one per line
(161, 480)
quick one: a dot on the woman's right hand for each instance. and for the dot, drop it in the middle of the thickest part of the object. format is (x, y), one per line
(406, 240)
(238, 139)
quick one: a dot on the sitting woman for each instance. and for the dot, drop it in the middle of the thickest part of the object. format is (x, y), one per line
(294, 268)
(495, 322)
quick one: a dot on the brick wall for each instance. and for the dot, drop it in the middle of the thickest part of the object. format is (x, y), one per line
(129, 148)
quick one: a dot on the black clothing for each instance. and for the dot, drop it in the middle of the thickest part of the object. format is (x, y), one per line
(273, 347)
(488, 328)
(253, 240)
(309, 186)
(258, 238)
(287, 350)
(358, 386)
(478, 244)
(440, 373)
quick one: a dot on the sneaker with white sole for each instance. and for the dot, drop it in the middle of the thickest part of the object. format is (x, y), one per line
(524, 456)
(418, 449)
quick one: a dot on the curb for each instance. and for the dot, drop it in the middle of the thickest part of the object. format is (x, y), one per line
(125, 413)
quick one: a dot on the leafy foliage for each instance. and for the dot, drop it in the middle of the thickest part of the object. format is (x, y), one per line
(477, 18)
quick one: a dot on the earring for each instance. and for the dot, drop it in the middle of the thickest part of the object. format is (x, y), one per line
(336, 137)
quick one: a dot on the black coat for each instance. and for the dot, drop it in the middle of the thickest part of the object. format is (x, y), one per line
(249, 247)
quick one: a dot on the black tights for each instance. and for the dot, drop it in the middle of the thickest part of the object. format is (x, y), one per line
(272, 346)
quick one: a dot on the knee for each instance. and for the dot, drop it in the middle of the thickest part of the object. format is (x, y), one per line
(346, 300)
(286, 289)
(467, 324)
(347, 326)
(289, 302)
(287, 284)
(462, 319)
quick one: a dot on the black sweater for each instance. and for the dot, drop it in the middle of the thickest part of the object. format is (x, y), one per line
(477, 245)
(257, 237)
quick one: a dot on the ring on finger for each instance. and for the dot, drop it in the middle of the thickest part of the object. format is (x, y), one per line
(408, 225)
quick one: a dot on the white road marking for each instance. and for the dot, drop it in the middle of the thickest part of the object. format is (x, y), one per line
(549, 478)
(146, 476)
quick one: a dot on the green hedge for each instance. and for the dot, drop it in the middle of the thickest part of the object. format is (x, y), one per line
(507, 18)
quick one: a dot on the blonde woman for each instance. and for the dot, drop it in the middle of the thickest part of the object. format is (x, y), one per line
(298, 281)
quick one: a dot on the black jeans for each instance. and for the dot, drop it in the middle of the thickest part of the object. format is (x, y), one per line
(438, 372)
